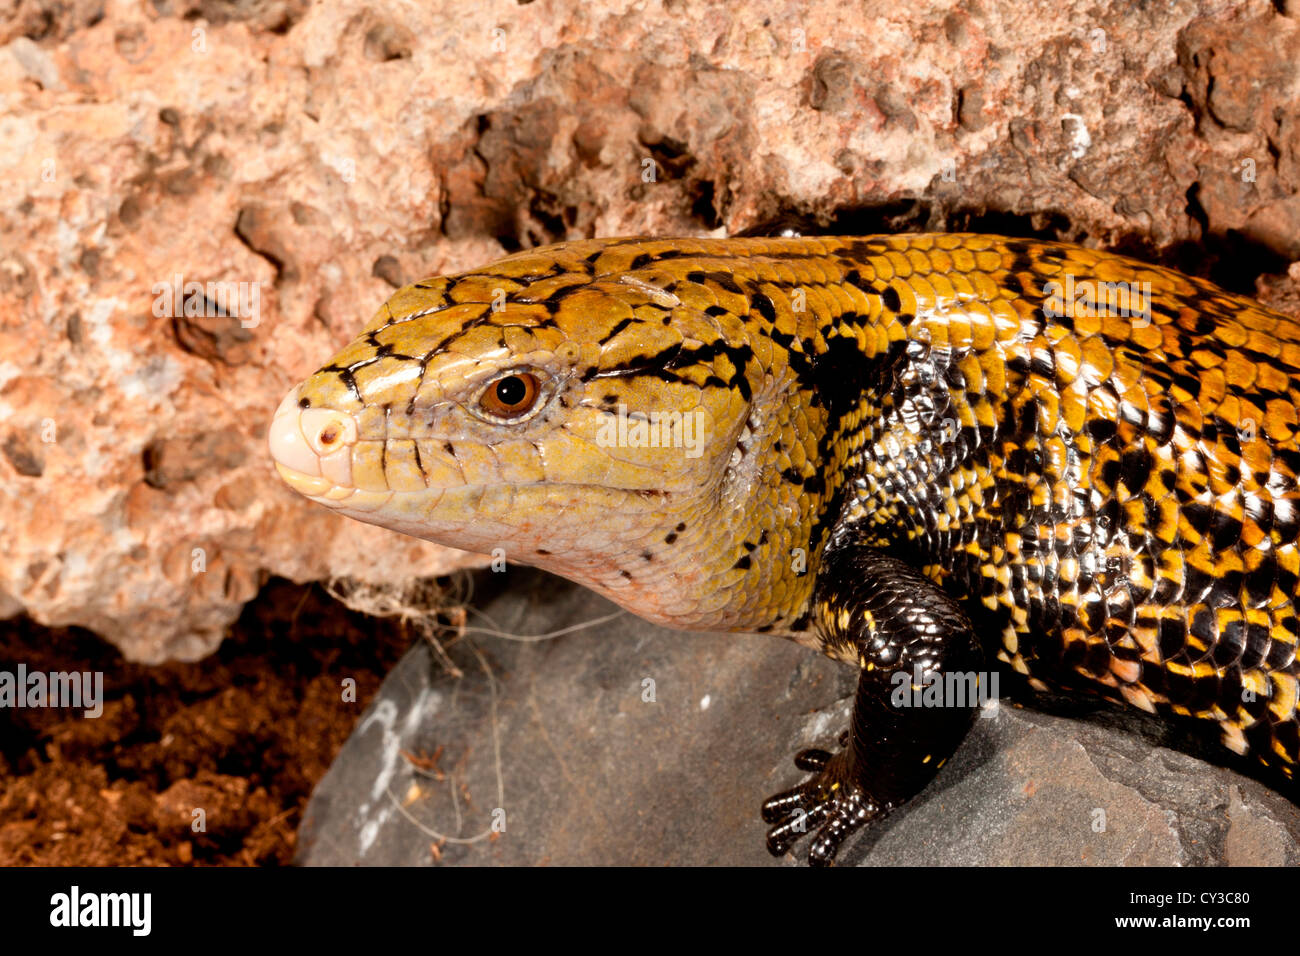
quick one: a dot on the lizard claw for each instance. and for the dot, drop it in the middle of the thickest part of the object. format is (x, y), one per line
(832, 802)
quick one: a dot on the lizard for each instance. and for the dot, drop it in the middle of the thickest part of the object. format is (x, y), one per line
(933, 457)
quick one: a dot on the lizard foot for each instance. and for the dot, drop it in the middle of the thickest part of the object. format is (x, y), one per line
(832, 802)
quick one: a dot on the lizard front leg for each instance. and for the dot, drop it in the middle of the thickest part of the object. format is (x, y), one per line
(914, 644)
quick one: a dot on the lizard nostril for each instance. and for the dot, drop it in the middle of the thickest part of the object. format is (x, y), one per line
(328, 431)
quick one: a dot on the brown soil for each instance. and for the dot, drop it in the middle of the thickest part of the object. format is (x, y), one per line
(244, 735)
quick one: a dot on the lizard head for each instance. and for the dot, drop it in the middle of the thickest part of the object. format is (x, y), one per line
(576, 407)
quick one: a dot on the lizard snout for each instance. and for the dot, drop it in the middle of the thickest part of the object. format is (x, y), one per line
(312, 448)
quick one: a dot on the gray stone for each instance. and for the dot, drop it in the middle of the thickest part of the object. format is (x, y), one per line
(625, 743)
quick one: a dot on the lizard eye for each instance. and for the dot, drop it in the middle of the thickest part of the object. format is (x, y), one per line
(511, 396)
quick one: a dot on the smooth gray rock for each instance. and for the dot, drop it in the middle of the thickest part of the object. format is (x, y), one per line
(593, 772)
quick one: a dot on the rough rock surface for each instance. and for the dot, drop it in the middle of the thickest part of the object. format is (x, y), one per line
(592, 771)
(322, 154)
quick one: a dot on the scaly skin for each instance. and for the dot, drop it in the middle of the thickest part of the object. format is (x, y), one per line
(1113, 498)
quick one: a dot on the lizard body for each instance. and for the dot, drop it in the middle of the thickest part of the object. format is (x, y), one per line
(863, 444)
